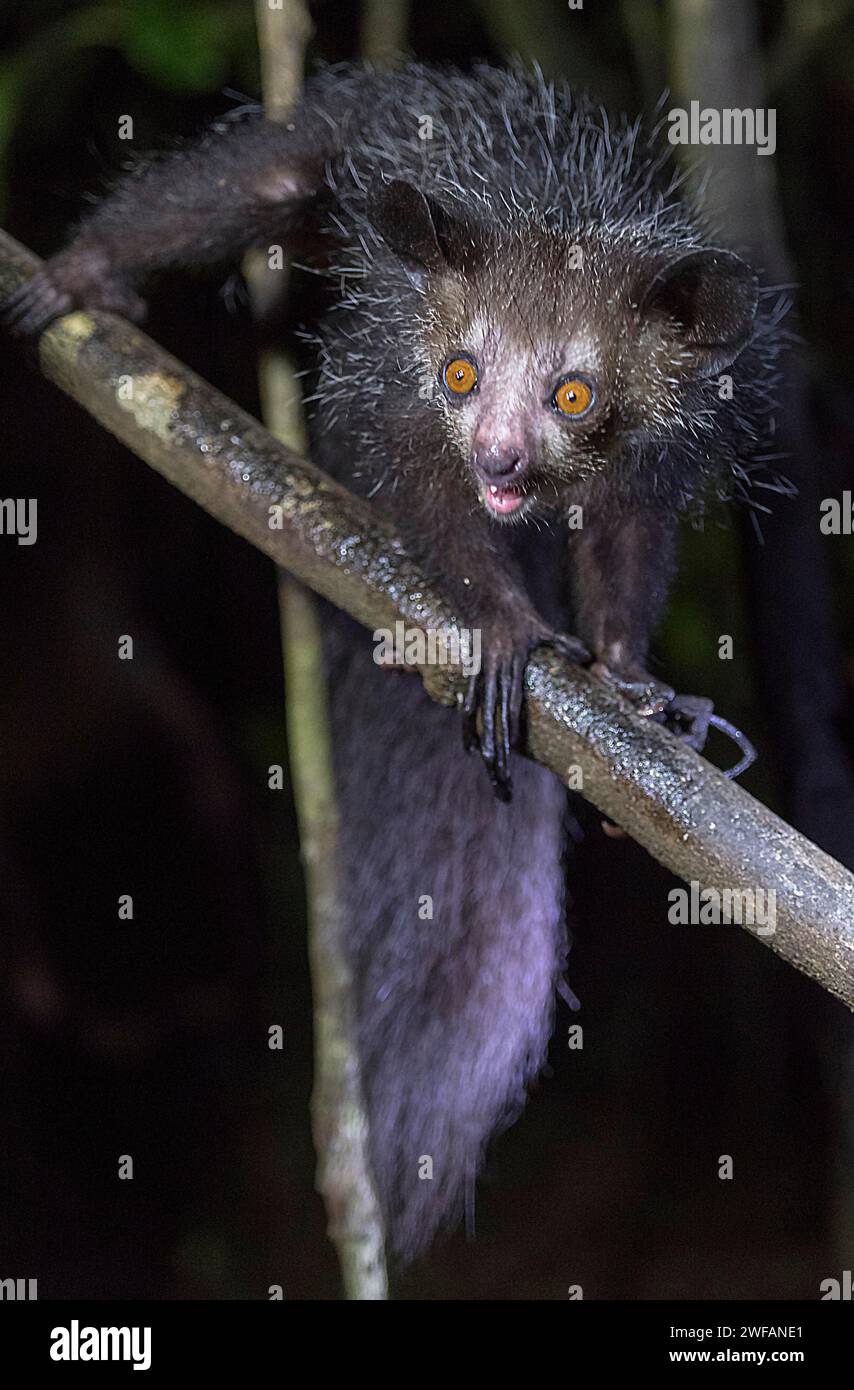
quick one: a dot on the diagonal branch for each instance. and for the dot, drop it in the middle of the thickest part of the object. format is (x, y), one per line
(678, 806)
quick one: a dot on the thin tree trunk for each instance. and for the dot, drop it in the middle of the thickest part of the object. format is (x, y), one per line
(338, 1109)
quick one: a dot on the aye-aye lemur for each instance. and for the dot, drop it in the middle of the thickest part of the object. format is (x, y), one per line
(523, 316)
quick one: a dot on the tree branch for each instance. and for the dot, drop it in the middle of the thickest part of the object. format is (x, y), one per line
(678, 806)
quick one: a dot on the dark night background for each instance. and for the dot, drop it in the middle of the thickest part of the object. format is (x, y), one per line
(150, 777)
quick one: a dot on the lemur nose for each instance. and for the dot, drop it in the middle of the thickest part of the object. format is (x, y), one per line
(500, 461)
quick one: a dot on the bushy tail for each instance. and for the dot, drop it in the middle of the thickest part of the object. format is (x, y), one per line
(454, 902)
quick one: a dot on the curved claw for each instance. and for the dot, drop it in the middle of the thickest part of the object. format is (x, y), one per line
(691, 716)
(491, 694)
(53, 292)
(748, 752)
(517, 695)
(470, 736)
(30, 308)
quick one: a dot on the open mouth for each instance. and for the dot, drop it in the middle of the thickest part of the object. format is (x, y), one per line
(503, 499)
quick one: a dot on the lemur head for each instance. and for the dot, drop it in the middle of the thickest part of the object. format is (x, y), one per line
(547, 355)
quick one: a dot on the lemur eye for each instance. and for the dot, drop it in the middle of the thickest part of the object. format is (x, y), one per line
(573, 396)
(459, 376)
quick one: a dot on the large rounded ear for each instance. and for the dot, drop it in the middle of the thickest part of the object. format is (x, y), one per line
(418, 229)
(711, 297)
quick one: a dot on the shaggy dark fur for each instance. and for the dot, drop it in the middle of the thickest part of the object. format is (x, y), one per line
(495, 217)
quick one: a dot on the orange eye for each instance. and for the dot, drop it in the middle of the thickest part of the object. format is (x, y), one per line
(460, 376)
(573, 396)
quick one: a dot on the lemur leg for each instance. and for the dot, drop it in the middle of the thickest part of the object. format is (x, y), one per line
(241, 185)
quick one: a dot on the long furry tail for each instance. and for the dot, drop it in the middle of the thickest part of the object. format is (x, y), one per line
(455, 907)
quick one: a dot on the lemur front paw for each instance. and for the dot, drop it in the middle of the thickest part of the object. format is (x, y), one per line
(492, 709)
(72, 280)
(688, 717)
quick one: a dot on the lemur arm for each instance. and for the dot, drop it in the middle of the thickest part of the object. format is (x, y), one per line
(468, 560)
(622, 573)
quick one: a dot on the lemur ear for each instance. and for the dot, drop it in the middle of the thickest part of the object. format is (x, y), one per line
(711, 297)
(418, 229)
